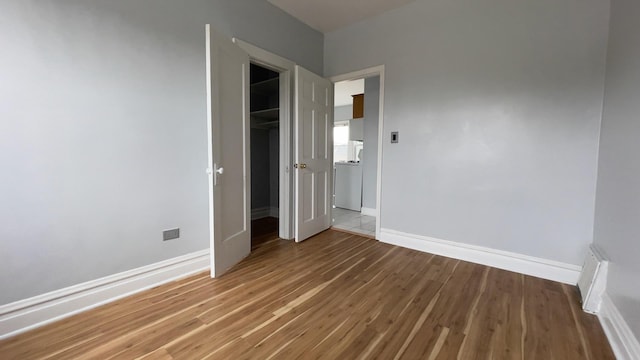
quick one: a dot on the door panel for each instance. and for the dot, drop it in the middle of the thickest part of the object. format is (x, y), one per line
(307, 132)
(323, 188)
(314, 115)
(229, 179)
(323, 124)
(307, 202)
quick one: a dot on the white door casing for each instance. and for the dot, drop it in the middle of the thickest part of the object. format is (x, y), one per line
(286, 68)
(313, 153)
(229, 171)
(361, 74)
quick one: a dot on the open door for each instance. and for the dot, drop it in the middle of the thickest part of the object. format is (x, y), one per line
(229, 172)
(313, 148)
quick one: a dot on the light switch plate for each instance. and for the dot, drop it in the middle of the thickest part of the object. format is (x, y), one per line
(394, 137)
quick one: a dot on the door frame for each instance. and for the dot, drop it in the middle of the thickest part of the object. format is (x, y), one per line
(286, 69)
(363, 74)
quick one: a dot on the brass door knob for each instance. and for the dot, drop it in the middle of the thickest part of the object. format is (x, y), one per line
(300, 166)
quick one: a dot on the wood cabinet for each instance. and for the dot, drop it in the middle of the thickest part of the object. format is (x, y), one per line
(358, 106)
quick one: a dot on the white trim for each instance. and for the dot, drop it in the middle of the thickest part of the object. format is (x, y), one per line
(360, 74)
(260, 213)
(380, 145)
(209, 170)
(27, 314)
(369, 211)
(623, 342)
(264, 212)
(265, 58)
(285, 67)
(286, 209)
(524, 264)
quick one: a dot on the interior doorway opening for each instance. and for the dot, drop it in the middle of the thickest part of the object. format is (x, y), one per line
(229, 90)
(355, 142)
(357, 152)
(264, 105)
(272, 74)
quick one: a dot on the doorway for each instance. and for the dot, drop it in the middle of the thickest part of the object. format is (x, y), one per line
(264, 104)
(303, 186)
(357, 150)
(272, 113)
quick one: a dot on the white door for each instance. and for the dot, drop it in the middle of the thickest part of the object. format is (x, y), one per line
(313, 149)
(229, 175)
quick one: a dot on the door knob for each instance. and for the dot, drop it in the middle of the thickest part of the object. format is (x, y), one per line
(300, 166)
(220, 170)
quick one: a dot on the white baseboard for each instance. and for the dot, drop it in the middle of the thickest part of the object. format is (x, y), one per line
(27, 314)
(369, 211)
(524, 264)
(264, 212)
(623, 342)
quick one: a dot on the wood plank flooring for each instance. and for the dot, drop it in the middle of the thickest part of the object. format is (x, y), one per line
(263, 230)
(335, 296)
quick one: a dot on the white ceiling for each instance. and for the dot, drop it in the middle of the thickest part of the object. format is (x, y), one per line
(344, 89)
(329, 15)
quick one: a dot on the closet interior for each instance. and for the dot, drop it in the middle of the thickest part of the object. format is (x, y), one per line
(265, 152)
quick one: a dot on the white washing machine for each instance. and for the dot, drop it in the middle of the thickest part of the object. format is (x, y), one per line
(348, 185)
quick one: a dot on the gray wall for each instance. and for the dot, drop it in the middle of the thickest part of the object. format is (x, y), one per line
(265, 152)
(618, 192)
(103, 138)
(370, 149)
(344, 112)
(498, 105)
(260, 169)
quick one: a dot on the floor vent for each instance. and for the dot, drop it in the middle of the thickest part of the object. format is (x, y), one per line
(593, 280)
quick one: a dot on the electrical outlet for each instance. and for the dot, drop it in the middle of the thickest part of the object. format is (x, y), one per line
(170, 234)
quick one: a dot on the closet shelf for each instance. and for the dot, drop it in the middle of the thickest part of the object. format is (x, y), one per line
(257, 123)
(266, 87)
(270, 114)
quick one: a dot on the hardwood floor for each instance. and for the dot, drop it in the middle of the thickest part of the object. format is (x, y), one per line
(263, 230)
(335, 296)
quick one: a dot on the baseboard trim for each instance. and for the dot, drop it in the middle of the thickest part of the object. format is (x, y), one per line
(27, 314)
(264, 212)
(369, 211)
(524, 264)
(623, 342)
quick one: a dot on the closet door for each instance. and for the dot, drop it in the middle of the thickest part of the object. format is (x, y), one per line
(229, 163)
(313, 147)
